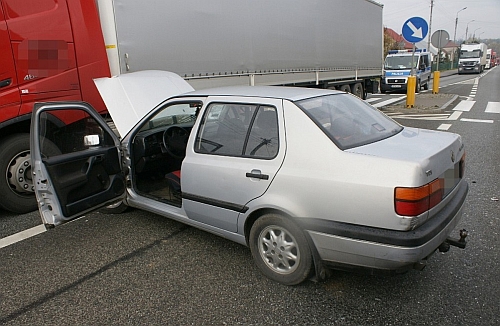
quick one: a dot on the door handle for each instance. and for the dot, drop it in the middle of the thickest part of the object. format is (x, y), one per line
(257, 174)
(5, 82)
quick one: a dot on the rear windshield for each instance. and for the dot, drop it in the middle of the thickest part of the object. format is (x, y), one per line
(349, 121)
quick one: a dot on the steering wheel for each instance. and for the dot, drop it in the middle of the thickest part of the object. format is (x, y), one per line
(175, 141)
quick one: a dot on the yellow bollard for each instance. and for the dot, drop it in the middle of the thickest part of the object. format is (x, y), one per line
(410, 91)
(435, 83)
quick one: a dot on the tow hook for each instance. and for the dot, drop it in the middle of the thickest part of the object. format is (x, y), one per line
(460, 243)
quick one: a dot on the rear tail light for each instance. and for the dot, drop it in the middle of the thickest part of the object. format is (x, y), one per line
(415, 201)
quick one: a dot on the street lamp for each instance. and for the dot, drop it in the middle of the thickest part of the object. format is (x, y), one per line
(467, 30)
(456, 23)
(474, 34)
(455, 37)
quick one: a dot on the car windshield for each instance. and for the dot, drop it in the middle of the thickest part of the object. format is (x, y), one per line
(470, 54)
(348, 121)
(400, 62)
(180, 113)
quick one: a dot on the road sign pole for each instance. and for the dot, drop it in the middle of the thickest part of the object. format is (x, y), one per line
(438, 39)
(413, 61)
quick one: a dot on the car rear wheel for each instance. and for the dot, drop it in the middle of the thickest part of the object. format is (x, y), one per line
(280, 250)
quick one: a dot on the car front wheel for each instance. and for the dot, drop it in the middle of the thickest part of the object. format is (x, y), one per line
(280, 249)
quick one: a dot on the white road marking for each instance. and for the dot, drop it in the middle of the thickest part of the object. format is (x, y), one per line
(476, 120)
(444, 126)
(455, 115)
(464, 106)
(373, 99)
(493, 107)
(387, 102)
(421, 116)
(11, 239)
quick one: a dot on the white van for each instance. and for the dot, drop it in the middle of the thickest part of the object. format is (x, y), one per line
(397, 68)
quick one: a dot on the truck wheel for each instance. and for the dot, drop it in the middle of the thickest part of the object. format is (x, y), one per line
(280, 250)
(417, 86)
(357, 90)
(16, 183)
(345, 88)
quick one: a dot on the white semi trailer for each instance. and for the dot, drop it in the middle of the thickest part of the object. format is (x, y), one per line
(320, 43)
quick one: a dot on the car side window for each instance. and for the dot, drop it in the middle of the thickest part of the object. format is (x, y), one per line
(263, 138)
(238, 130)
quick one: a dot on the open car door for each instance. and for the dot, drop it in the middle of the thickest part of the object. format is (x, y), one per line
(75, 159)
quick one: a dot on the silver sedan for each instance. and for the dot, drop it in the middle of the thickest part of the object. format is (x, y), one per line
(309, 179)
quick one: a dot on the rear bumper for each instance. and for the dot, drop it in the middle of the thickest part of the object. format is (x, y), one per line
(346, 244)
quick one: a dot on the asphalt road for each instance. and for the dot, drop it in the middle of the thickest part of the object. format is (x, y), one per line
(139, 268)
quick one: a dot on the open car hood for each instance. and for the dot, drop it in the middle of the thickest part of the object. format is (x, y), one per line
(129, 97)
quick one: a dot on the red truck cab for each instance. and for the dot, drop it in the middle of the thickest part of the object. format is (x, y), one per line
(51, 51)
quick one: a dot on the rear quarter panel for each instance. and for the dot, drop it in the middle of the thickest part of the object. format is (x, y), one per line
(318, 180)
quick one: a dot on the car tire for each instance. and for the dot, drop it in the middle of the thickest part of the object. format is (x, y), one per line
(417, 86)
(115, 208)
(426, 86)
(16, 185)
(280, 249)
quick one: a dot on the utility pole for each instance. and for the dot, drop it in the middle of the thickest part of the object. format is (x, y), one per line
(430, 24)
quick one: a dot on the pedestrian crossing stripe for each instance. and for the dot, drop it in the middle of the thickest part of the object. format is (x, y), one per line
(464, 106)
(493, 107)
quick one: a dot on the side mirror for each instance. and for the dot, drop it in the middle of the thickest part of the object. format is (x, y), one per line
(91, 140)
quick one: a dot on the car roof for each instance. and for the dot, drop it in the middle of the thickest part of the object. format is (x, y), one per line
(280, 92)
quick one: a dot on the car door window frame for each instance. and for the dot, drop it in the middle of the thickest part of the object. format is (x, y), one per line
(243, 119)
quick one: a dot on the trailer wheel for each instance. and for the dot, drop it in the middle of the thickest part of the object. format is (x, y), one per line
(16, 183)
(357, 90)
(345, 88)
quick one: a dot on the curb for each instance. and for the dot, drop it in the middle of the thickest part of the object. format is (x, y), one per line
(449, 102)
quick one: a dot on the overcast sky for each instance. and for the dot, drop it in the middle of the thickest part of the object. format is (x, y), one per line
(484, 14)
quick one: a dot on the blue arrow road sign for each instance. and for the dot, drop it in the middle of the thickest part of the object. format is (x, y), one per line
(415, 29)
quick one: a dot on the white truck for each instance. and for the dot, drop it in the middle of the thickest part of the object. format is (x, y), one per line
(472, 58)
(54, 50)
